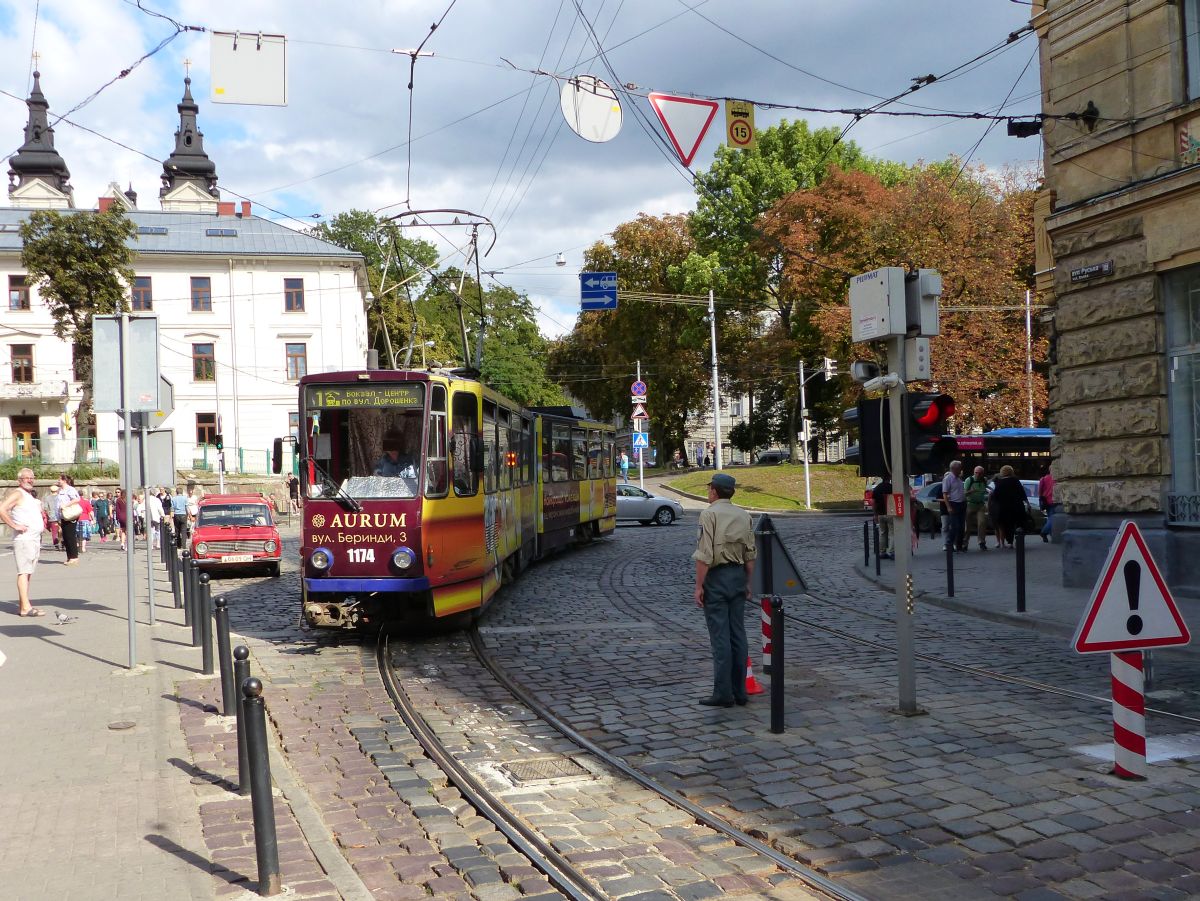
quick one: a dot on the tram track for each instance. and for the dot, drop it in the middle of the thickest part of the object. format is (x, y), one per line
(541, 851)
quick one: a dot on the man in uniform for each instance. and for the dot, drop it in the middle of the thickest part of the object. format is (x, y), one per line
(724, 558)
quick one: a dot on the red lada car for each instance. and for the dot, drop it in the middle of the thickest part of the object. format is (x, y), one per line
(236, 530)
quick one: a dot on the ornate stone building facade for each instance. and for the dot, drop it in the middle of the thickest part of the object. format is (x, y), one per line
(1121, 101)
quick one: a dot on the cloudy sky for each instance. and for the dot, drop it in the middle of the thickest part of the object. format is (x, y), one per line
(486, 135)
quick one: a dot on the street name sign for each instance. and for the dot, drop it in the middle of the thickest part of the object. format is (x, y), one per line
(685, 120)
(597, 290)
(1131, 607)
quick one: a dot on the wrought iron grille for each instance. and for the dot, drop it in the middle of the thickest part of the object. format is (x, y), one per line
(1183, 509)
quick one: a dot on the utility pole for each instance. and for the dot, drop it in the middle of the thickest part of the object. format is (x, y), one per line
(716, 392)
(637, 427)
(1029, 351)
(804, 439)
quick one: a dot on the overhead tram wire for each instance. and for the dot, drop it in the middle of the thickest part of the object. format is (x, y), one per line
(412, 73)
(967, 159)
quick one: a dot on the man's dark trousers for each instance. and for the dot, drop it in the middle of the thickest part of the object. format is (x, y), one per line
(725, 614)
(180, 529)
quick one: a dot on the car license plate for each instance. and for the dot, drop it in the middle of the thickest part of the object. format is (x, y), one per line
(237, 558)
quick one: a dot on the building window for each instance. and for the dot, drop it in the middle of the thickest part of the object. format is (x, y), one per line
(1182, 295)
(204, 363)
(18, 293)
(1191, 46)
(201, 294)
(293, 295)
(294, 425)
(143, 296)
(22, 363)
(297, 360)
(206, 428)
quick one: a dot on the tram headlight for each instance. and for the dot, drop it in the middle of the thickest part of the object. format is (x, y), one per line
(403, 558)
(321, 559)
(201, 549)
(269, 546)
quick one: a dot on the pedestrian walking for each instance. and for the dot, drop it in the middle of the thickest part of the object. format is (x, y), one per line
(879, 496)
(102, 510)
(1012, 506)
(179, 516)
(69, 511)
(293, 487)
(154, 518)
(1047, 503)
(118, 507)
(86, 524)
(975, 490)
(625, 467)
(50, 505)
(724, 556)
(955, 503)
(21, 511)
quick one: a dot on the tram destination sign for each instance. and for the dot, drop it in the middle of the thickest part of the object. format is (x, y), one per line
(337, 397)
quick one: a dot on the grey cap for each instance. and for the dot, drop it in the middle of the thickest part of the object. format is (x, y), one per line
(723, 480)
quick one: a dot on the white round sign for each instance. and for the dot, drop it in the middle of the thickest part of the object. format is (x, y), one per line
(591, 108)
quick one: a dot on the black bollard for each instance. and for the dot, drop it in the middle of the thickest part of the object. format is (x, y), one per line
(241, 672)
(262, 804)
(766, 568)
(164, 540)
(949, 570)
(866, 542)
(875, 528)
(1020, 542)
(185, 579)
(193, 575)
(204, 611)
(776, 664)
(228, 687)
(173, 574)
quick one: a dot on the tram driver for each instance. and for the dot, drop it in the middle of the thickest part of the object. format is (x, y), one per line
(396, 459)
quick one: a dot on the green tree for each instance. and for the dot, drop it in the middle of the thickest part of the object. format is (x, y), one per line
(597, 361)
(81, 265)
(395, 277)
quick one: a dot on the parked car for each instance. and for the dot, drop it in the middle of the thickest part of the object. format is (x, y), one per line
(641, 505)
(929, 506)
(772, 457)
(236, 530)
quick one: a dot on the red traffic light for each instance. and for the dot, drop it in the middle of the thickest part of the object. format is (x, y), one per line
(940, 408)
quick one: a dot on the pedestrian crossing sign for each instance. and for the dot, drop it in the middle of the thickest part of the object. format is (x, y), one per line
(641, 439)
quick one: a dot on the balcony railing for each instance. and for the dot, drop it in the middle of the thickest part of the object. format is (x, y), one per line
(1183, 509)
(52, 388)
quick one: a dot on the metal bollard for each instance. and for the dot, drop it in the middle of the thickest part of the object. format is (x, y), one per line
(228, 687)
(164, 539)
(866, 542)
(241, 672)
(875, 528)
(1020, 542)
(949, 570)
(266, 846)
(204, 611)
(193, 575)
(185, 578)
(776, 664)
(173, 573)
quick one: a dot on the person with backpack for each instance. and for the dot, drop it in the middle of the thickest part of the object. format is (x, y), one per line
(879, 496)
(975, 490)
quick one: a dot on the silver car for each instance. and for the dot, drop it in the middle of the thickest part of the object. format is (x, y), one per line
(636, 503)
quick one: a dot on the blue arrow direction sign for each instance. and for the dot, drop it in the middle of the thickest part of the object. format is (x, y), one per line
(597, 290)
(641, 439)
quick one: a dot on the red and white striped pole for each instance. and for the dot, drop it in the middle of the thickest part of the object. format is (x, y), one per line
(766, 634)
(1129, 715)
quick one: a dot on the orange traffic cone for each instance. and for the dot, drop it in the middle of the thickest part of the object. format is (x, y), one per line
(752, 686)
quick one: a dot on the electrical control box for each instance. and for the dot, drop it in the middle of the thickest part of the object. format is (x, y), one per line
(877, 304)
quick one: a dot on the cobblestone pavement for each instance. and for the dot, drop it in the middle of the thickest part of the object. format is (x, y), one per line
(990, 794)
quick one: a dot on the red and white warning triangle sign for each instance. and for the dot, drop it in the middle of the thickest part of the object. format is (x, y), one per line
(1131, 607)
(685, 119)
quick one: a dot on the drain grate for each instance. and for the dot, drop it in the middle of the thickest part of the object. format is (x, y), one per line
(546, 768)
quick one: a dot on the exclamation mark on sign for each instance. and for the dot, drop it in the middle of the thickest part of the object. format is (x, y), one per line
(1133, 585)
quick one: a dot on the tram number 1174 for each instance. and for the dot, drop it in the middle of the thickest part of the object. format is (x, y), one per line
(361, 555)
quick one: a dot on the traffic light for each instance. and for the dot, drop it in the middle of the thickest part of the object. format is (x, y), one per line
(873, 419)
(930, 449)
(219, 441)
(829, 367)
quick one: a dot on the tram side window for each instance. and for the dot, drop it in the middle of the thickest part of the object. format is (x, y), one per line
(436, 464)
(489, 447)
(608, 457)
(465, 427)
(547, 452)
(502, 449)
(579, 455)
(527, 451)
(593, 454)
(560, 460)
(515, 447)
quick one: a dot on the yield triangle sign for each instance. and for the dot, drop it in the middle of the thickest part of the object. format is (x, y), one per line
(685, 119)
(1131, 607)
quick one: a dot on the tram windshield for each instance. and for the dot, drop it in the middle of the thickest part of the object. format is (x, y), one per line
(366, 441)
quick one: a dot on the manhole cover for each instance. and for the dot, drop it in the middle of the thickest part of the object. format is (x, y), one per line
(122, 724)
(548, 768)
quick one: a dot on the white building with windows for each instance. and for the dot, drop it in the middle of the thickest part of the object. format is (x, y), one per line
(245, 307)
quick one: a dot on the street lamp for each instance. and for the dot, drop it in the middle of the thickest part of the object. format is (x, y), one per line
(409, 350)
